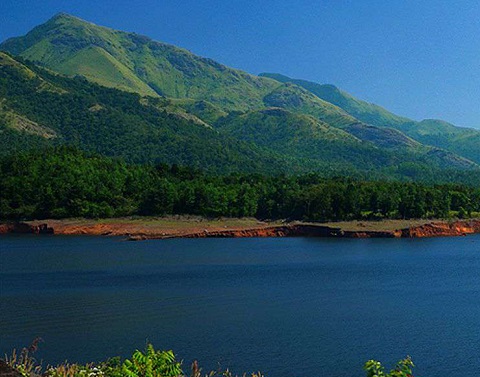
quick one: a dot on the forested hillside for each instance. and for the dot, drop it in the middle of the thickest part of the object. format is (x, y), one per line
(114, 123)
(40, 108)
(65, 182)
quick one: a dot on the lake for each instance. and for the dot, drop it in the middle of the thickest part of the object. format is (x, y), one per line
(285, 306)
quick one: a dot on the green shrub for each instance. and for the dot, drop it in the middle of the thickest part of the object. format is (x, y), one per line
(402, 369)
(152, 363)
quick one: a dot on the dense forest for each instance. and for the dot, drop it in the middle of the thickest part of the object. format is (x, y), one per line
(65, 182)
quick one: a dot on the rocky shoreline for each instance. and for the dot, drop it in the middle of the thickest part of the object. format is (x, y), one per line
(428, 229)
(433, 229)
(24, 228)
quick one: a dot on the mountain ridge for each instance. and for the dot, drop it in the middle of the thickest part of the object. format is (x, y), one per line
(165, 69)
(213, 103)
(110, 57)
(438, 133)
(365, 111)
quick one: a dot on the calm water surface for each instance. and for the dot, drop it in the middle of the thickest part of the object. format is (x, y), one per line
(286, 306)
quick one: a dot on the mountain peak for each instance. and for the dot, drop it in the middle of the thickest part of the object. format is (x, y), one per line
(132, 62)
(64, 17)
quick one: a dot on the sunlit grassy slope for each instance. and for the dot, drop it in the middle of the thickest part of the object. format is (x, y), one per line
(462, 141)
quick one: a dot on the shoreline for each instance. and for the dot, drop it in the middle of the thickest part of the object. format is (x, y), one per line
(136, 229)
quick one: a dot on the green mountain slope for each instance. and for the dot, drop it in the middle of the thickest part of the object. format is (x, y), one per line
(39, 108)
(462, 141)
(383, 137)
(203, 110)
(132, 62)
(99, 66)
(115, 123)
(459, 140)
(299, 100)
(361, 110)
(304, 136)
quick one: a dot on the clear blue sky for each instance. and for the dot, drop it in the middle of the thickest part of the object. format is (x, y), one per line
(418, 58)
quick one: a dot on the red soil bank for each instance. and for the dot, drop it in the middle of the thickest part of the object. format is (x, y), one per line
(433, 229)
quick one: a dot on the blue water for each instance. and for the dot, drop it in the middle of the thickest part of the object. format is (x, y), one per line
(285, 306)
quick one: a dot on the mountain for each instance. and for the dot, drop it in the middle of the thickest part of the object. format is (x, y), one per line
(366, 112)
(301, 101)
(121, 94)
(299, 135)
(297, 99)
(128, 61)
(39, 108)
(362, 147)
(459, 140)
(305, 136)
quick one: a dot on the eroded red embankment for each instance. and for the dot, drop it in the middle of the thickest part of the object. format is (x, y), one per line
(433, 229)
(292, 230)
(24, 228)
(439, 229)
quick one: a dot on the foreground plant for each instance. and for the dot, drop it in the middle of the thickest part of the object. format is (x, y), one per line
(152, 363)
(74, 370)
(24, 362)
(402, 369)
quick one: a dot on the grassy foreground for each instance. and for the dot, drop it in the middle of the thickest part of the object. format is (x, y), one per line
(149, 363)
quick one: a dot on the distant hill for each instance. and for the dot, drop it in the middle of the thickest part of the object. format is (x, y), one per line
(300, 135)
(297, 99)
(301, 101)
(361, 110)
(363, 146)
(460, 140)
(438, 133)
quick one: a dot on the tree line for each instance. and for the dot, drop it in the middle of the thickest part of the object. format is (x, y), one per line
(65, 182)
